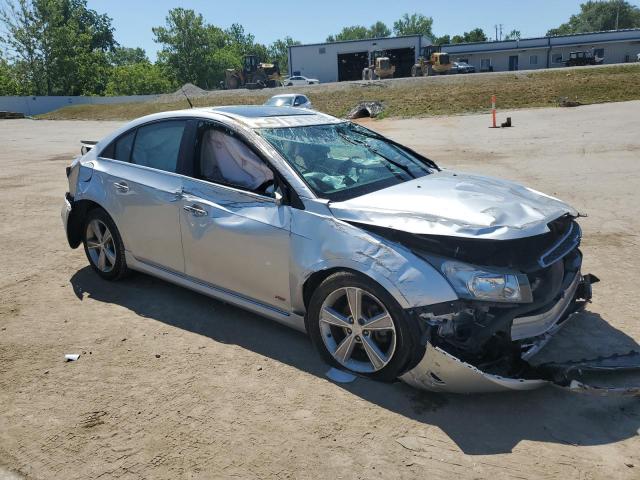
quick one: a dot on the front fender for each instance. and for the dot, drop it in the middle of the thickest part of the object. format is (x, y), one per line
(321, 242)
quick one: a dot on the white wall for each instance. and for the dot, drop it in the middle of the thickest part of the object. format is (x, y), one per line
(38, 105)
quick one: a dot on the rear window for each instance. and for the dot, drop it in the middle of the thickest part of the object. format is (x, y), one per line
(157, 145)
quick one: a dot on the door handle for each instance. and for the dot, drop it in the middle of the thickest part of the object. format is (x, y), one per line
(195, 210)
(121, 187)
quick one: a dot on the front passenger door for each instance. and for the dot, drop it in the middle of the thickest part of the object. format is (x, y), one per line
(235, 235)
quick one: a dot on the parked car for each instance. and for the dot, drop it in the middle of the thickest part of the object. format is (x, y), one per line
(462, 67)
(289, 100)
(393, 266)
(298, 80)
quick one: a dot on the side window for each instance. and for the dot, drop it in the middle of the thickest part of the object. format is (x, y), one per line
(122, 150)
(299, 101)
(158, 145)
(225, 158)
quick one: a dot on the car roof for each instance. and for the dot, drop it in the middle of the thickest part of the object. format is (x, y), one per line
(284, 95)
(264, 116)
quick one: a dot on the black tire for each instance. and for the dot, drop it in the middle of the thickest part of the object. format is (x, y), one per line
(407, 348)
(119, 269)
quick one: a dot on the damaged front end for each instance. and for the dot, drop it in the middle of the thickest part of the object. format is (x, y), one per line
(483, 344)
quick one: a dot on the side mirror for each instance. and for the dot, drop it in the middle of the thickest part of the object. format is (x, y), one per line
(278, 197)
(274, 191)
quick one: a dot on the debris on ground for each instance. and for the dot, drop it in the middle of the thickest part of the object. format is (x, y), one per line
(565, 102)
(71, 357)
(11, 115)
(188, 89)
(366, 109)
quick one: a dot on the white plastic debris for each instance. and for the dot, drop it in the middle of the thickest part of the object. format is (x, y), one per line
(340, 376)
(71, 357)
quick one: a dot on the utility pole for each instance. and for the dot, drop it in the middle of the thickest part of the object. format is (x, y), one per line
(500, 32)
(496, 27)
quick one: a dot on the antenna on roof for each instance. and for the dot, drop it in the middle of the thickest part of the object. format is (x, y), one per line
(187, 97)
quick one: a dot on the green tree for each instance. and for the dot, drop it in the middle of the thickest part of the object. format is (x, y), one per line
(58, 47)
(414, 24)
(141, 78)
(354, 32)
(443, 40)
(597, 16)
(513, 35)
(8, 82)
(360, 32)
(379, 30)
(127, 56)
(189, 45)
(475, 35)
(279, 52)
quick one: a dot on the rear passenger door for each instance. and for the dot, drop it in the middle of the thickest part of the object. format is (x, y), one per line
(145, 191)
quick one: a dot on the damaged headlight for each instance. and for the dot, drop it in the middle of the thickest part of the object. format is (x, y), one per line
(472, 282)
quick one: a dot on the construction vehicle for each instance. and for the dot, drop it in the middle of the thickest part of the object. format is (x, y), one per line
(578, 59)
(253, 75)
(431, 61)
(379, 67)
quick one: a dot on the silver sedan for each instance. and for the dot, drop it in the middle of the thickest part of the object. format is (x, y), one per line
(395, 267)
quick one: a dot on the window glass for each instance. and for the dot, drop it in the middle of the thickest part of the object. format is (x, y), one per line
(344, 160)
(226, 159)
(300, 100)
(485, 64)
(123, 145)
(533, 59)
(157, 145)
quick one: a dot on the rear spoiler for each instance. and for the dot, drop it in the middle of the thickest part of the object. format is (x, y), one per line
(87, 145)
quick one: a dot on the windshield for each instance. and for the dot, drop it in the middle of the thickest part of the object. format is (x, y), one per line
(279, 101)
(344, 160)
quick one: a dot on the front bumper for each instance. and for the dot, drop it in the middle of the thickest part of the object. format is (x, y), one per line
(440, 371)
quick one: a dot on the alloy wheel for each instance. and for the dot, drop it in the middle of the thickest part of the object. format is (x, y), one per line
(357, 330)
(101, 245)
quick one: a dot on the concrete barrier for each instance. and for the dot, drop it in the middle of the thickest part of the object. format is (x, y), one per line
(37, 105)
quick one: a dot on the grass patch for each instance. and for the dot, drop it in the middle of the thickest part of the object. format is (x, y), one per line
(416, 97)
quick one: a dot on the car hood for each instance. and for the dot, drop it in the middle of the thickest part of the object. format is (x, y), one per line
(456, 204)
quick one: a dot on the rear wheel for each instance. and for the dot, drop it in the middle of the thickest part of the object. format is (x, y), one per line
(103, 246)
(357, 325)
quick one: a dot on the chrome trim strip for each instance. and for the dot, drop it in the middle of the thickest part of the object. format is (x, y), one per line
(557, 245)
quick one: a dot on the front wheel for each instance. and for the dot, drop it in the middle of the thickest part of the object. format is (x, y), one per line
(357, 325)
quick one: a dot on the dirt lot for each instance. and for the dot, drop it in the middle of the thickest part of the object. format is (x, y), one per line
(172, 384)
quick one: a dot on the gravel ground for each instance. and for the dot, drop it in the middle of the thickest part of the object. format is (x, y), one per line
(171, 384)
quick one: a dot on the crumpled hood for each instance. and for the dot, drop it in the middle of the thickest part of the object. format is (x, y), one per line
(456, 204)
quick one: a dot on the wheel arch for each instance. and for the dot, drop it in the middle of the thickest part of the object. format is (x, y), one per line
(314, 280)
(76, 220)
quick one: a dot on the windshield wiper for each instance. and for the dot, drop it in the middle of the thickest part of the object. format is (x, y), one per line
(353, 141)
(368, 133)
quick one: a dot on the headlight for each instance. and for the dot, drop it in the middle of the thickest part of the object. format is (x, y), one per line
(472, 282)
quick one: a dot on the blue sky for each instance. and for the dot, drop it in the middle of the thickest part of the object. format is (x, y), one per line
(312, 21)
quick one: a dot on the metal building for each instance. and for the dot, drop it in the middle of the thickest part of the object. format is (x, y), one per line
(340, 61)
(616, 46)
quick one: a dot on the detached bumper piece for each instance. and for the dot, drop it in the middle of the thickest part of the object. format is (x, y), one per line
(439, 371)
(571, 375)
